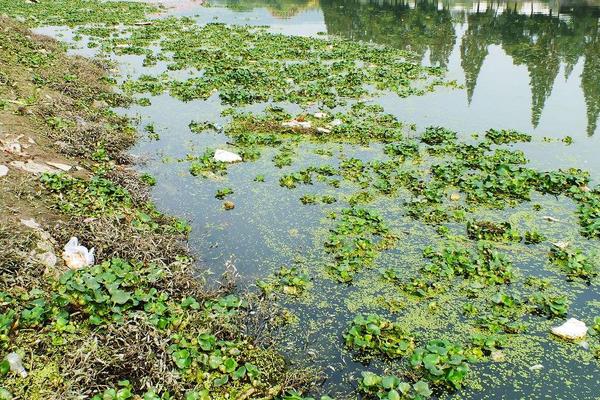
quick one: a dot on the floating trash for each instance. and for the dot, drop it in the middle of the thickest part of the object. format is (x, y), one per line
(226, 156)
(572, 329)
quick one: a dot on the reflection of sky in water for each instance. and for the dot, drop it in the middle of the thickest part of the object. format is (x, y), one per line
(269, 227)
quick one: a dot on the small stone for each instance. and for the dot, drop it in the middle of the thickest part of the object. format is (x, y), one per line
(320, 115)
(455, 196)
(3, 170)
(31, 223)
(33, 167)
(226, 156)
(228, 205)
(536, 367)
(336, 122)
(572, 329)
(99, 104)
(62, 167)
(323, 130)
(13, 147)
(47, 259)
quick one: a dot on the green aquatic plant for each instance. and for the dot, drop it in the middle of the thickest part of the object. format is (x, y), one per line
(390, 387)
(441, 362)
(290, 281)
(534, 237)
(257, 66)
(199, 127)
(483, 345)
(588, 210)
(206, 165)
(486, 265)
(314, 199)
(107, 291)
(70, 12)
(504, 136)
(487, 230)
(148, 179)
(574, 263)
(376, 335)
(437, 135)
(356, 240)
(550, 305)
(222, 193)
(98, 196)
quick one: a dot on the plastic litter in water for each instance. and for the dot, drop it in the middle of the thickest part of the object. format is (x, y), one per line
(572, 329)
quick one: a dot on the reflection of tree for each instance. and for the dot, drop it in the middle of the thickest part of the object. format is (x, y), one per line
(474, 47)
(533, 41)
(422, 28)
(590, 83)
(540, 43)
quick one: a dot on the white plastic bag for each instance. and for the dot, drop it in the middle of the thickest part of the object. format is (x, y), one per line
(77, 256)
(16, 365)
(572, 329)
(226, 156)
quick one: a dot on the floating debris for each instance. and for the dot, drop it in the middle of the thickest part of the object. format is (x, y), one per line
(551, 219)
(561, 245)
(455, 196)
(536, 367)
(77, 256)
(323, 130)
(228, 205)
(3, 170)
(572, 329)
(320, 115)
(226, 156)
(297, 124)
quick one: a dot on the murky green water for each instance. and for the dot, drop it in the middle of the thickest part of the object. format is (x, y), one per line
(532, 66)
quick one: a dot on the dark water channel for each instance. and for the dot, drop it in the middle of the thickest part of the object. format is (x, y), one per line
(530, 66)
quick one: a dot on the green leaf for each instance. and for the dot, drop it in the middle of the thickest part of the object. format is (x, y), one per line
(393, 395)
(422, 389)
(370, 379)
(119, 296)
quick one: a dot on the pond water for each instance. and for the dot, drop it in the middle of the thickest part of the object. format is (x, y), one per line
(529, 66)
